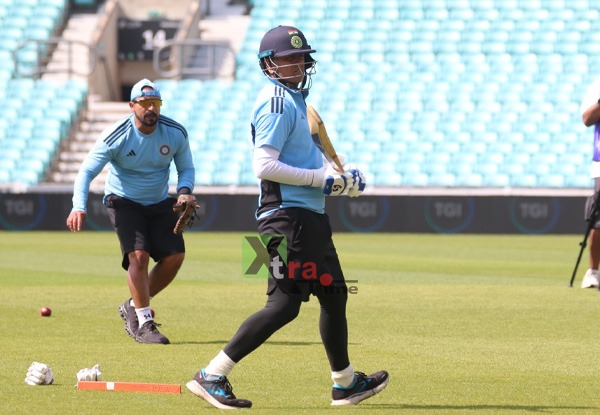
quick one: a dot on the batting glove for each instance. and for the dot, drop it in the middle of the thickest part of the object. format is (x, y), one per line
(337, 183)
(359, 182)
(39, 374)
(331, 181)
(92, 374)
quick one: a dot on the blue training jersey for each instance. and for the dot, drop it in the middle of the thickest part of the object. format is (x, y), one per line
(139, 164)
(279, 120)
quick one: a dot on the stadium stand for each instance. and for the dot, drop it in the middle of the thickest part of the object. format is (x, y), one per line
(38, 114)
(443, 81)
(38, 118)
(448, 93)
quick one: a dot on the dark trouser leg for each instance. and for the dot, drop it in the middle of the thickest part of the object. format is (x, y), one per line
(334, 329)
(333, 325)
(279, 311)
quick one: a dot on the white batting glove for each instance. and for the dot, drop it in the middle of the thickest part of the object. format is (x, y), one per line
(359, 182)
(92, 374)
(337, 183)
(332, 181)
(39, 374)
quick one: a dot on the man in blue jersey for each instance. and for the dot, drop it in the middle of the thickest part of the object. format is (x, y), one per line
(139, 150)
(293, 184)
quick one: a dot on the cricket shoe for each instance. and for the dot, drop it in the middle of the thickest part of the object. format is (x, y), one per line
(127, 312)
(363, 387)
(216, 390)
(149, 333)
(591, 279)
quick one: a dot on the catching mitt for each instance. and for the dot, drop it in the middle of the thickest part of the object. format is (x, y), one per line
(186, 207)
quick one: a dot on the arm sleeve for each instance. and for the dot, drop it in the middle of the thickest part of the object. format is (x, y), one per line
(267, 166)
(90, 168)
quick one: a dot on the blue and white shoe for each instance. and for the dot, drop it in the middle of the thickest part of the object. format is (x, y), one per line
(363, 387)
(216, 390)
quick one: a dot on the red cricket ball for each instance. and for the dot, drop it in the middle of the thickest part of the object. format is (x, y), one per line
(152, 312)
(45, 312)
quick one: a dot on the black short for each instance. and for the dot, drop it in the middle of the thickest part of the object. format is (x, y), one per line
(148, 228)
(312, 265)
(590, 202)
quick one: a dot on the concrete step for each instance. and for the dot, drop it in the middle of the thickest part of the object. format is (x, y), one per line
(68, 166)
(88, 127)
(72, 155)
(109, 106)
(61, 177)
(83, 138)
(80, 146)
(97, 116)
(103, 117)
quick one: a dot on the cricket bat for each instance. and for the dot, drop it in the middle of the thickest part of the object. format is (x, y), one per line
(321, 138)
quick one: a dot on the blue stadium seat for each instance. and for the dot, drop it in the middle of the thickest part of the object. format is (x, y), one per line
(415, 179)
(450, 76)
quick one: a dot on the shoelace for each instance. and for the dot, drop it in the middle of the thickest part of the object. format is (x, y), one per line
(224, 384)
(361, 377)
(152, 326)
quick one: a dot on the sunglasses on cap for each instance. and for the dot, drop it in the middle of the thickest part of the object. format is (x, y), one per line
(147, 103)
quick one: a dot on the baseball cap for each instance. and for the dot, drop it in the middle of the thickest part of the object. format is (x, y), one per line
(136, 91)
(283, 41)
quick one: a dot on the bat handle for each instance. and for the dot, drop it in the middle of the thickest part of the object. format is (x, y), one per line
(338, 164)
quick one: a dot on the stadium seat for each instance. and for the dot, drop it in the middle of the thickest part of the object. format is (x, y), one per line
(497, 80)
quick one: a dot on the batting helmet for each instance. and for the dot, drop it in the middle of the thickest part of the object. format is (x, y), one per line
(283, 41)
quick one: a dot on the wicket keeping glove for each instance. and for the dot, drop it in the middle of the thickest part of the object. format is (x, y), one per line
(186, 207)
(39, 374)
(359, 182)
(92, 374)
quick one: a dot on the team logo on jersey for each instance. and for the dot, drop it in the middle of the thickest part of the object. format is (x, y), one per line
(164, 150)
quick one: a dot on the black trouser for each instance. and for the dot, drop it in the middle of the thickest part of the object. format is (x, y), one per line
(308, 236)
(282, 308)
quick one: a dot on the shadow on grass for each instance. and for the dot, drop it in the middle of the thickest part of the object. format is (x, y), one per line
(524, 408)
(272, 343)
(290, 343)
(223, 342)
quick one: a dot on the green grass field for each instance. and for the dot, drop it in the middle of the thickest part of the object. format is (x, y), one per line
(465, 324)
